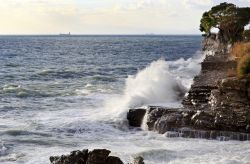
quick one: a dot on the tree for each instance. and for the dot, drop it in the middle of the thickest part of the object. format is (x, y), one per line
(228, 18)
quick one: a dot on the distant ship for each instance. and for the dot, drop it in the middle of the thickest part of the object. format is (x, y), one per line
(65, 34)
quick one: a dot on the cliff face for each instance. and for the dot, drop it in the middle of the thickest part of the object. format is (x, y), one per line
(218, 103)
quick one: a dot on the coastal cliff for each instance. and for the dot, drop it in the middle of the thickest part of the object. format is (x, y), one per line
(216, 106)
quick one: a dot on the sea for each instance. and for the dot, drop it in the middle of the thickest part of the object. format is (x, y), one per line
(65, 93)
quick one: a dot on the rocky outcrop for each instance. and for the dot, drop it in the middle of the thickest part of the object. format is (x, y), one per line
(214, 68)
(135, 117)
(217, 105)
(96, 156)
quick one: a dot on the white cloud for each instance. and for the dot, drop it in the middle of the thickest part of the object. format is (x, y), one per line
(103, 16)
(197, 3)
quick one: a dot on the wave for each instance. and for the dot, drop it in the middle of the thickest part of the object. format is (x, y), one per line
(162, 82)
(21, 92)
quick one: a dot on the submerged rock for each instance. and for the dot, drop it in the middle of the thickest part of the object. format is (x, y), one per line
(96, 156)
(138, 160)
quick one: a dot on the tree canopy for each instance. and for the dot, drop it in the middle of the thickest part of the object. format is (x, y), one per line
(228, 18)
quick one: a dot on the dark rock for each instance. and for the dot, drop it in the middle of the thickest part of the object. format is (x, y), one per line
(76, 157)
(53, 159)
(135, 117)
(113, 160)
(168, 122)
(139, 160)
(162, 119)
(154, 114)
(98, 156)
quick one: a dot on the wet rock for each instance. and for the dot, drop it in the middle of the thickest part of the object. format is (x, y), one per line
(203, 120)
(96, 156)
(138, 160)
(78, 157)
(154, 114)
(113, 160)
(168, 122)
(135, 117)
(162, 119)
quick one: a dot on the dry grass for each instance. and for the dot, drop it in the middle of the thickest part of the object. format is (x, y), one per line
(240, 49)
(243, 66)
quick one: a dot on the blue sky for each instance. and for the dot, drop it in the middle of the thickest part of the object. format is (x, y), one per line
(104, 16)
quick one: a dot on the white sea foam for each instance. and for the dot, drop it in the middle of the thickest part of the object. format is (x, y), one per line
(160, 83)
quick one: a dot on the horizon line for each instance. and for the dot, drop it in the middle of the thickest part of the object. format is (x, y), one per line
(146, 34)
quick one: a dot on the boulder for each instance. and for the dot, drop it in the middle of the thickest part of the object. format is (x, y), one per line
(78, 157)
(96, 156)
(113, 160)
(135, 117)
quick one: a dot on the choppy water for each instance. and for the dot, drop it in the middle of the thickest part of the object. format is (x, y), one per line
(58, 94)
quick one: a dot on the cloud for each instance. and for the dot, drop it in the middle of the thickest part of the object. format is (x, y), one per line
(200, 4)
(104, 16)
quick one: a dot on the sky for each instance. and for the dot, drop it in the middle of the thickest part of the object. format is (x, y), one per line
(104, 16)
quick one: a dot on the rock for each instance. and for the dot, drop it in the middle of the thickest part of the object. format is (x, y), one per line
(113, 160)
(154, 114)
(135, 117)
(215, 102)
(98, 156)
(233, 83)
(168, 122)
(139, 160)
(78, 157)
(203, 120)
(162, 119)
(54, 159)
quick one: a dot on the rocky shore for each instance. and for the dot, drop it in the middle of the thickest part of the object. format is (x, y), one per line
(217, 105)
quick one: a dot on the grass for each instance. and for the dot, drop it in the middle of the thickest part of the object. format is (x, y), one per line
(241, 51)
(243, 66)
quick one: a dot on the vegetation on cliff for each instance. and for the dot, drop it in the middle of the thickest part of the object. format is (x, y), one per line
(244, 66)
(231, 22)
(229, 19)
(241, 51)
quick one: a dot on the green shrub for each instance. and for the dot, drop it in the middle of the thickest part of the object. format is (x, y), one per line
(243, 67)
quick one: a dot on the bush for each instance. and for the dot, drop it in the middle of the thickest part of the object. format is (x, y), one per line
(240, 49)
(243, 66)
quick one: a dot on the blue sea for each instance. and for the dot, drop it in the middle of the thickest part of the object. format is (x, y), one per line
(63, 93)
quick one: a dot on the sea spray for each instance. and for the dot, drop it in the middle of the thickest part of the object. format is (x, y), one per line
(153, 84)
(160, 83)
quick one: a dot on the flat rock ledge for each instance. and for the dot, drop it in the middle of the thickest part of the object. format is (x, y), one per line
(181, 122)
(96, 156)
